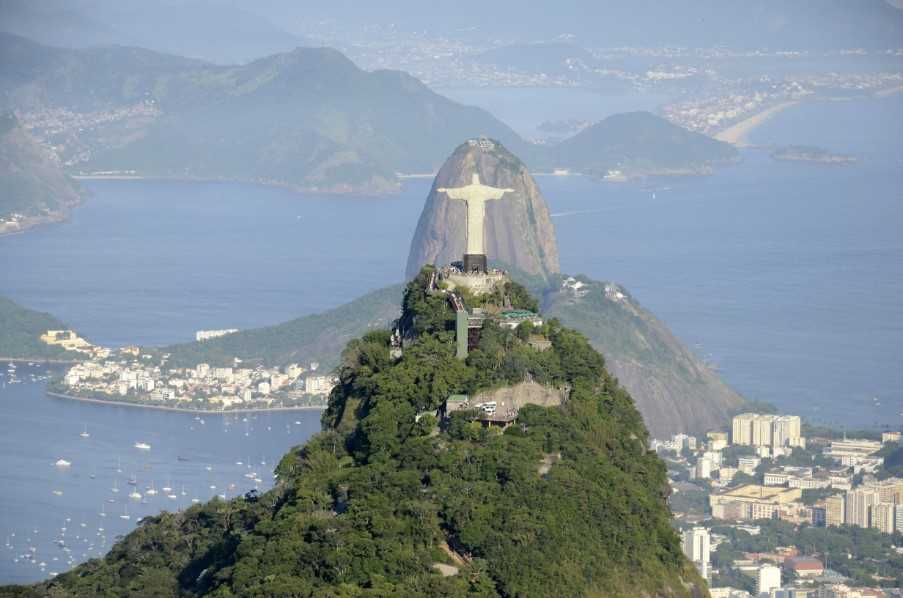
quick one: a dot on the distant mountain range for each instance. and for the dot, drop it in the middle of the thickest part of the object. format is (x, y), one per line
(776, 24)
(210, 30)
(230, 31)
(307, 119)
(34, 187)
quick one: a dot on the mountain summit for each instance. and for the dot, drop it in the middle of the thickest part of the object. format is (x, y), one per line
(673, 389)
(519, 231)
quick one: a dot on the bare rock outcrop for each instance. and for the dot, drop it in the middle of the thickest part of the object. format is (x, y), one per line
(519, 231)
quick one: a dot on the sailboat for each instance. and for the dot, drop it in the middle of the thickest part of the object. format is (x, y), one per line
(152, 491)
(115, 487)
(103, 510)
(125, 514)
(167, 488)
(84, 433)
(118, 465)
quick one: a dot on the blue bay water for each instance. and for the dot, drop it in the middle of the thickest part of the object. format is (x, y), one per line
(789, 276)
(59, 516)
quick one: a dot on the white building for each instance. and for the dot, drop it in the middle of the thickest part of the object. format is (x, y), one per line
(704, 468)
(772, 431)
(206, 335)
(852, 452)
(696, 544)
(224, 374)
(717, 440)
(748, 465)
(884, 517)
(319, 385)
(859, 505)
(767, 579)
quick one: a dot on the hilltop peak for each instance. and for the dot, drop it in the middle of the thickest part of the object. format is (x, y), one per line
(518, 230)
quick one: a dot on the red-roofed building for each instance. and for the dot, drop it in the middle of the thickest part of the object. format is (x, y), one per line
(804, 566)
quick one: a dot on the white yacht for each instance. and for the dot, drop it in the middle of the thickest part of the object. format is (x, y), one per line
(62, 463)
(142, 446)
(85, 433)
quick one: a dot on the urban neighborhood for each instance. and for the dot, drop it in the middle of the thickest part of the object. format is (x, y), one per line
(763, 509)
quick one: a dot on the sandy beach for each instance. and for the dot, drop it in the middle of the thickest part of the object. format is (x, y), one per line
(736, 133)
(886, 93)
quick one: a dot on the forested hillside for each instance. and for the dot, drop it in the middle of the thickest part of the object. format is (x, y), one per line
(386, 502)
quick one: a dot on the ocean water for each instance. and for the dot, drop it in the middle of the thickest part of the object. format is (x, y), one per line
(789, 276)
(150, 262)
(60, 516)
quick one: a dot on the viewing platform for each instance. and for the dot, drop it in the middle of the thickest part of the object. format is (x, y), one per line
(479, 283)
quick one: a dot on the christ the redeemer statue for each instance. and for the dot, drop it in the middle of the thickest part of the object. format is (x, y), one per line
(475, 195)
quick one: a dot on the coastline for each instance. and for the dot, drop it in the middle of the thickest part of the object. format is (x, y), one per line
(39, 360)
(338, 189)
(736, 133)
(886, 93)
(58, 395)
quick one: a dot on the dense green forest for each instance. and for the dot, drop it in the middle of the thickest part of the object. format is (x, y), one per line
(20, 329)
(384, 498)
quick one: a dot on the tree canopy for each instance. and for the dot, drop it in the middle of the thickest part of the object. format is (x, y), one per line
(567, 501)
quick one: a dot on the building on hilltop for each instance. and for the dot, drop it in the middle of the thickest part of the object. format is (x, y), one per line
(206, 335)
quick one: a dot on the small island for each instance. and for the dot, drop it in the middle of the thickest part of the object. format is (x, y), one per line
(807, 153)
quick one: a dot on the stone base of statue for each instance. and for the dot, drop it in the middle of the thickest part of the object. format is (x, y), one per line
(474, 262)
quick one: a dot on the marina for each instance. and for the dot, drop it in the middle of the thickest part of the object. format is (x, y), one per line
(93, 489)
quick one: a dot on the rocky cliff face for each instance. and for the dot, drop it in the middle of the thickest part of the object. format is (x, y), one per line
(519, 232)
(673, 389)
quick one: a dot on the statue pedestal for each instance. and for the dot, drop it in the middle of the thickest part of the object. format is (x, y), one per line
(474, 262)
